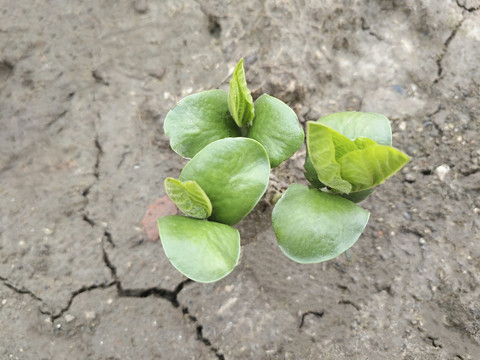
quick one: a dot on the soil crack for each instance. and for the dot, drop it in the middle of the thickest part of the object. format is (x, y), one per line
(318, 314)
(446, 44)
(366, 28)
(434, 341)
(56, 118)
(96, 173)
(200, 336)
(213, 21)
(96, 169)
(466, 8)
(348, 302)
(21, 291)
(171, 296)
(429, 120)
(88, 220)
(78, 292)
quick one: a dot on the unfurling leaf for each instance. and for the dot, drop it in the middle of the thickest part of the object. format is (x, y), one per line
(347, 166)
(325, 147)
(240, 102)
(368, 167)
(189, 198)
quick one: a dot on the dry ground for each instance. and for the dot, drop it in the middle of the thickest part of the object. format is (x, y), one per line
(84, 89)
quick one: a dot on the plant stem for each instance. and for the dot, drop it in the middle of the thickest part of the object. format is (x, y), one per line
(244, 131)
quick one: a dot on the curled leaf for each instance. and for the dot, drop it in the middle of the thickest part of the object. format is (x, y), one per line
(189, 198)
(240, 102)
(312, 177)
(325, 147)
(368, 167)
(348, 166)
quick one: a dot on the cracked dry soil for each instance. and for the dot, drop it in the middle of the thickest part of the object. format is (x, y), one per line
(84, 89)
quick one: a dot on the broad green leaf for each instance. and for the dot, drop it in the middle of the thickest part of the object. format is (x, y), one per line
(202, 250)
(312, 226)
(276, 127)
(371, 165)
(325, 146)
(354, 124)
(197, 120)
(234, 173)
(240, 100)
(189, 198)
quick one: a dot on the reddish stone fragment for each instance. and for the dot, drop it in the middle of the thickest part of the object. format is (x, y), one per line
(161, 207)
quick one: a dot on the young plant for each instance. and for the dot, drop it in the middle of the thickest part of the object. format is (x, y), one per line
(348, 154)
(217, 188)
(232, 142)
(200, 119)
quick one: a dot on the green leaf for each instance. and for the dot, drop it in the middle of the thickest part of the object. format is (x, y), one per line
(189, 198)
(310, 173)
(371, 166)
(203, 251)
(234, 173)
(312, 226)
(312, 177)
(358, 196)
(240, 100)
(197, 120)
(325, 146)
(354, 124)
(276, 127)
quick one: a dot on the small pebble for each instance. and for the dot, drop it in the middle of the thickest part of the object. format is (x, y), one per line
(410, 177)
(442, 171)
(89, 315)
(69, 318)
(141, 6)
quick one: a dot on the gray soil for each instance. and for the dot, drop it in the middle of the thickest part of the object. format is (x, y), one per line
(84, 90)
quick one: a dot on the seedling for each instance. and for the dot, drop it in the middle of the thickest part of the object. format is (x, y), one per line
(348, 154)
(232, 143)
(200, 119)
(223, 182)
